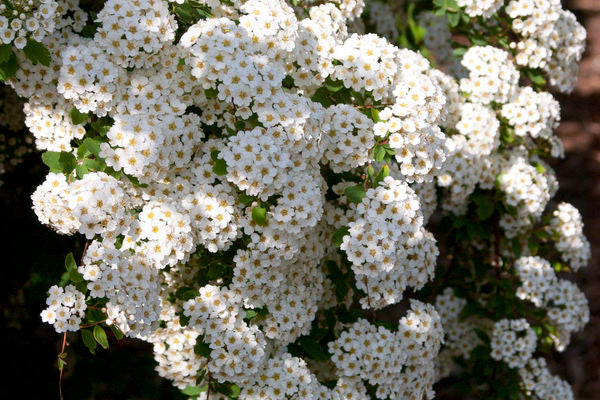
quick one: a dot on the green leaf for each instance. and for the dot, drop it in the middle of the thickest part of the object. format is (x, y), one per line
(102, 126)
(383, 172)
(100, 336)
(201, 348)
(186, 293)
(70, 262)
(355, 194)
(516, 248)
(81, 170)
(220, 167)
(37, 52)
(338, 236)
(51, 159)
(453, 19)
(92, 145)
(6, 52)
(459, 51)
(194, 391)
(313, 349)
(539, 167)
(370, 172)
(211, 93)
(9, 68)
(259, 215)
(67, 162)
(375, 115)
(94, 165)
(117, 332)
(77, 117)
(378, 153)
(532, 245)
(88, 340)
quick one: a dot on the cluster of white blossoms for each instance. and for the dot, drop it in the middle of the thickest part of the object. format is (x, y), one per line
(572, 243)
(23, 19)
(236, 348)
(492, 75)
(539, 383)
(525, 188)
(552, 39)
(218, 159)
(531, 113)
(513, 342)
(387, 244)
(480, 8)
(95, 205)
(566, 306)
(349, 140)
(66, 308)
(399, 363)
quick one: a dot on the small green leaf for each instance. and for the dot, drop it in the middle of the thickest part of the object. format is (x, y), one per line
(77, 117)
(70, 262)
(37, 52)
(201, 348)
(220, 167)
(67, 162)
(6, 52)
(378, 153)
(100, 336)
(355, 194)
(93, 165)
(453, 19)
(383, 172)
(9, 68)
(338, 236)
(186, 293)
(81, 170)
(370, 172)
(211, 93)
(88, 340)
(194, 391)
(532, 245)
(117, 332)
(375, 115)
(259, 215)
(92, 145)
(539, 167)
(51, 159)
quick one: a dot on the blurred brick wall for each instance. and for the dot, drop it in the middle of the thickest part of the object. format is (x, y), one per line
(579, 178)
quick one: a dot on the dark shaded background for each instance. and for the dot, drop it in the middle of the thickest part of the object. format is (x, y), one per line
(32, 260)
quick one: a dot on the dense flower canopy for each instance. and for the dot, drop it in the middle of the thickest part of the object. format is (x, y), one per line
(255, 179)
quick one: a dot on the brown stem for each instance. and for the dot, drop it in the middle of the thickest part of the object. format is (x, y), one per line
(62, 350)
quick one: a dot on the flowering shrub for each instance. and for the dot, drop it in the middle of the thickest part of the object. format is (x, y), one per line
(308, 199)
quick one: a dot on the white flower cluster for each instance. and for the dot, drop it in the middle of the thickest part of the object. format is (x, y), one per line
(572, 243)
(66, 308)
(399, 363)
(532, 113)
(567, 308)
(539, 383)
(94, 205)
(237, 348)
(438, 40)
(387, 244)
(130, 284)
(492, 75)
(131, 31)
(513, 342)
(525, 188)
(552, 39)
(480, 8)
(21, 19)
(349, 140)
(174, 350)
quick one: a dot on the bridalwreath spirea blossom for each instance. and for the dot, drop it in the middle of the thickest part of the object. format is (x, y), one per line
(308, 199)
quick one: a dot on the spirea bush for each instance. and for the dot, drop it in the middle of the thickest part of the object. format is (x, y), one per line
(289, 199)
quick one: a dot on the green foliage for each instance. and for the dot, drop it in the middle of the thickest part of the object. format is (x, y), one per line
(355, 194)
(37, 53)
